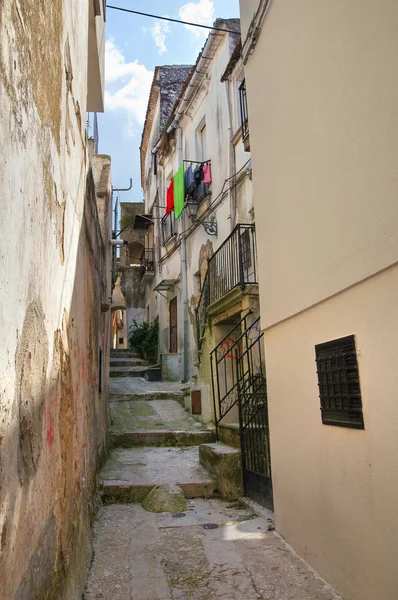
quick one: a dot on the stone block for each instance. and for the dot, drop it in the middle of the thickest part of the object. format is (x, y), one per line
(229, 434)
(165, 498)
(224, 464)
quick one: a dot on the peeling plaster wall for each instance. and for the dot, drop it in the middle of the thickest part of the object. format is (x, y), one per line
(54, 274)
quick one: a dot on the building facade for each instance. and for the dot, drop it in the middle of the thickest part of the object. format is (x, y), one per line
(322, 97)
(204, 287)
(54, 288)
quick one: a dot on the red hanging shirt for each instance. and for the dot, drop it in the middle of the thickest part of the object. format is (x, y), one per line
(170, 197)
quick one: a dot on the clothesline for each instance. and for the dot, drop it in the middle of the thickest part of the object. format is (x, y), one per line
(184, 185)
(197, 162)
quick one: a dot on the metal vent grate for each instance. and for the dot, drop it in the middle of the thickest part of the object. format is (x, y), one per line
(338, 381)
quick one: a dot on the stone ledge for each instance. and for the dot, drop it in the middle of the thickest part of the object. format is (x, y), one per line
(161, 437)
(230, 434)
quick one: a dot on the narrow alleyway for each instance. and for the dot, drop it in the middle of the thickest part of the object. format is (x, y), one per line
(160, 533)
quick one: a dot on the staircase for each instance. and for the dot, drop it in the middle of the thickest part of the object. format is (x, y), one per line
(124, 363)
(155, 442)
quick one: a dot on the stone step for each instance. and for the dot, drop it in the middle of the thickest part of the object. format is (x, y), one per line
(225, 465)
(124, 352)
(140, 396)
(128, 362)
(137, 371)
(229, 433)
(160, 437)
(130, 474)
(155, 423)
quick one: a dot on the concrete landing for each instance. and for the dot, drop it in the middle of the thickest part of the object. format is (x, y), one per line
(138, 388)
(155, 423)
(152, 414)
(129, 474)
(211, 551)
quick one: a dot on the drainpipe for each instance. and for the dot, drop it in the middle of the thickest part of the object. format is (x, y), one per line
(184, 278)
(231, 159)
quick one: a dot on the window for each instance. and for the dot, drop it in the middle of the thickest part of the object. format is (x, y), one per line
(168, 227)
(338, 381)
(155, 163)
(245, 250)
(201, 147)
(244, 116)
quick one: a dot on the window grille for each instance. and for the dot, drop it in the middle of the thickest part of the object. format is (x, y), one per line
(245, 248)
(168, 227)
(244, 115)
(338, 381)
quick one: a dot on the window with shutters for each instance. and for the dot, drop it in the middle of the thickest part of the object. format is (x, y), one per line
(338, 381)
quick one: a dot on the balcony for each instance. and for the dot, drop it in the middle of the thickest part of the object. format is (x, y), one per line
(147, 265)
(231, 267)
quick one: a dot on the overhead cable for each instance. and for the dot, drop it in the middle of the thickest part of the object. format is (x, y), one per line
(136, 12)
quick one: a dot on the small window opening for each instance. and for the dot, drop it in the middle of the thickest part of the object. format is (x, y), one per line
(338, 381)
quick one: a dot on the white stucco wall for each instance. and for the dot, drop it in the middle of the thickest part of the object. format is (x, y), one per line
(51, 254)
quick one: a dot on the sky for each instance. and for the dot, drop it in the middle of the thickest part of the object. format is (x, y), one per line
(134, 46)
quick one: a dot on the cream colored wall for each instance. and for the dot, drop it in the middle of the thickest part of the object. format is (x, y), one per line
(336, 489)
(323, 98)
(247, 11)
(96, 59)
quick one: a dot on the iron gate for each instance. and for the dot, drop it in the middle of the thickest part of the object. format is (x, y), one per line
(253, 416)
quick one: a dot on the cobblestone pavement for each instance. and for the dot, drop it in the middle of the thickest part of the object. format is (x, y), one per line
(212, 551)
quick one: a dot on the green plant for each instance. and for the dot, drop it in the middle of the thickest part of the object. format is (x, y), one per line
(126, 221)
(143, 338)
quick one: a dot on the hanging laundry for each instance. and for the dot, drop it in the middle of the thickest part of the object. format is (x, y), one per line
(179, 192)
(170, 197)
(198, 174)
(188, 177)
(207, 173)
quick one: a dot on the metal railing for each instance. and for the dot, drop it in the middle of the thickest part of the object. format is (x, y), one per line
(147, 261)
(232, 265)
(223, 370)
(253, 416)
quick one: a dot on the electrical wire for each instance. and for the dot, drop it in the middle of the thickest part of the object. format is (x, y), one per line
(136, 12)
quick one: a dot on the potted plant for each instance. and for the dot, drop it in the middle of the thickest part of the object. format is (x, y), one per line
(143, 338)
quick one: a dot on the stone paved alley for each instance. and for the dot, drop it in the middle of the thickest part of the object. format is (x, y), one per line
(200, 547)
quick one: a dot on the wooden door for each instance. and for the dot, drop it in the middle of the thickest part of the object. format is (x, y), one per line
(173, 325)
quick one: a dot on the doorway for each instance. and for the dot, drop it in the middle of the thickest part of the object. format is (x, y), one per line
(173, 325)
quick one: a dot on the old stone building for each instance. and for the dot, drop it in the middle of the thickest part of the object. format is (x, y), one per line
(55, 267)
(128, 297)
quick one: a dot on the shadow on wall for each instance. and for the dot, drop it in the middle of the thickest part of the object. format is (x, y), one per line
(49, 457)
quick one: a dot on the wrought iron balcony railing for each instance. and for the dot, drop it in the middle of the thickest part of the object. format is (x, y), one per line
(147, 263)
(232, 265)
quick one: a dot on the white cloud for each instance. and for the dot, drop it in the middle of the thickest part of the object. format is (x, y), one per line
(201, 12)
(127, 85)
(159, 32)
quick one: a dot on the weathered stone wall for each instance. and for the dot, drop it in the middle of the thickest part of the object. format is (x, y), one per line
(55, 268)
(135, 237)
(134, 293)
